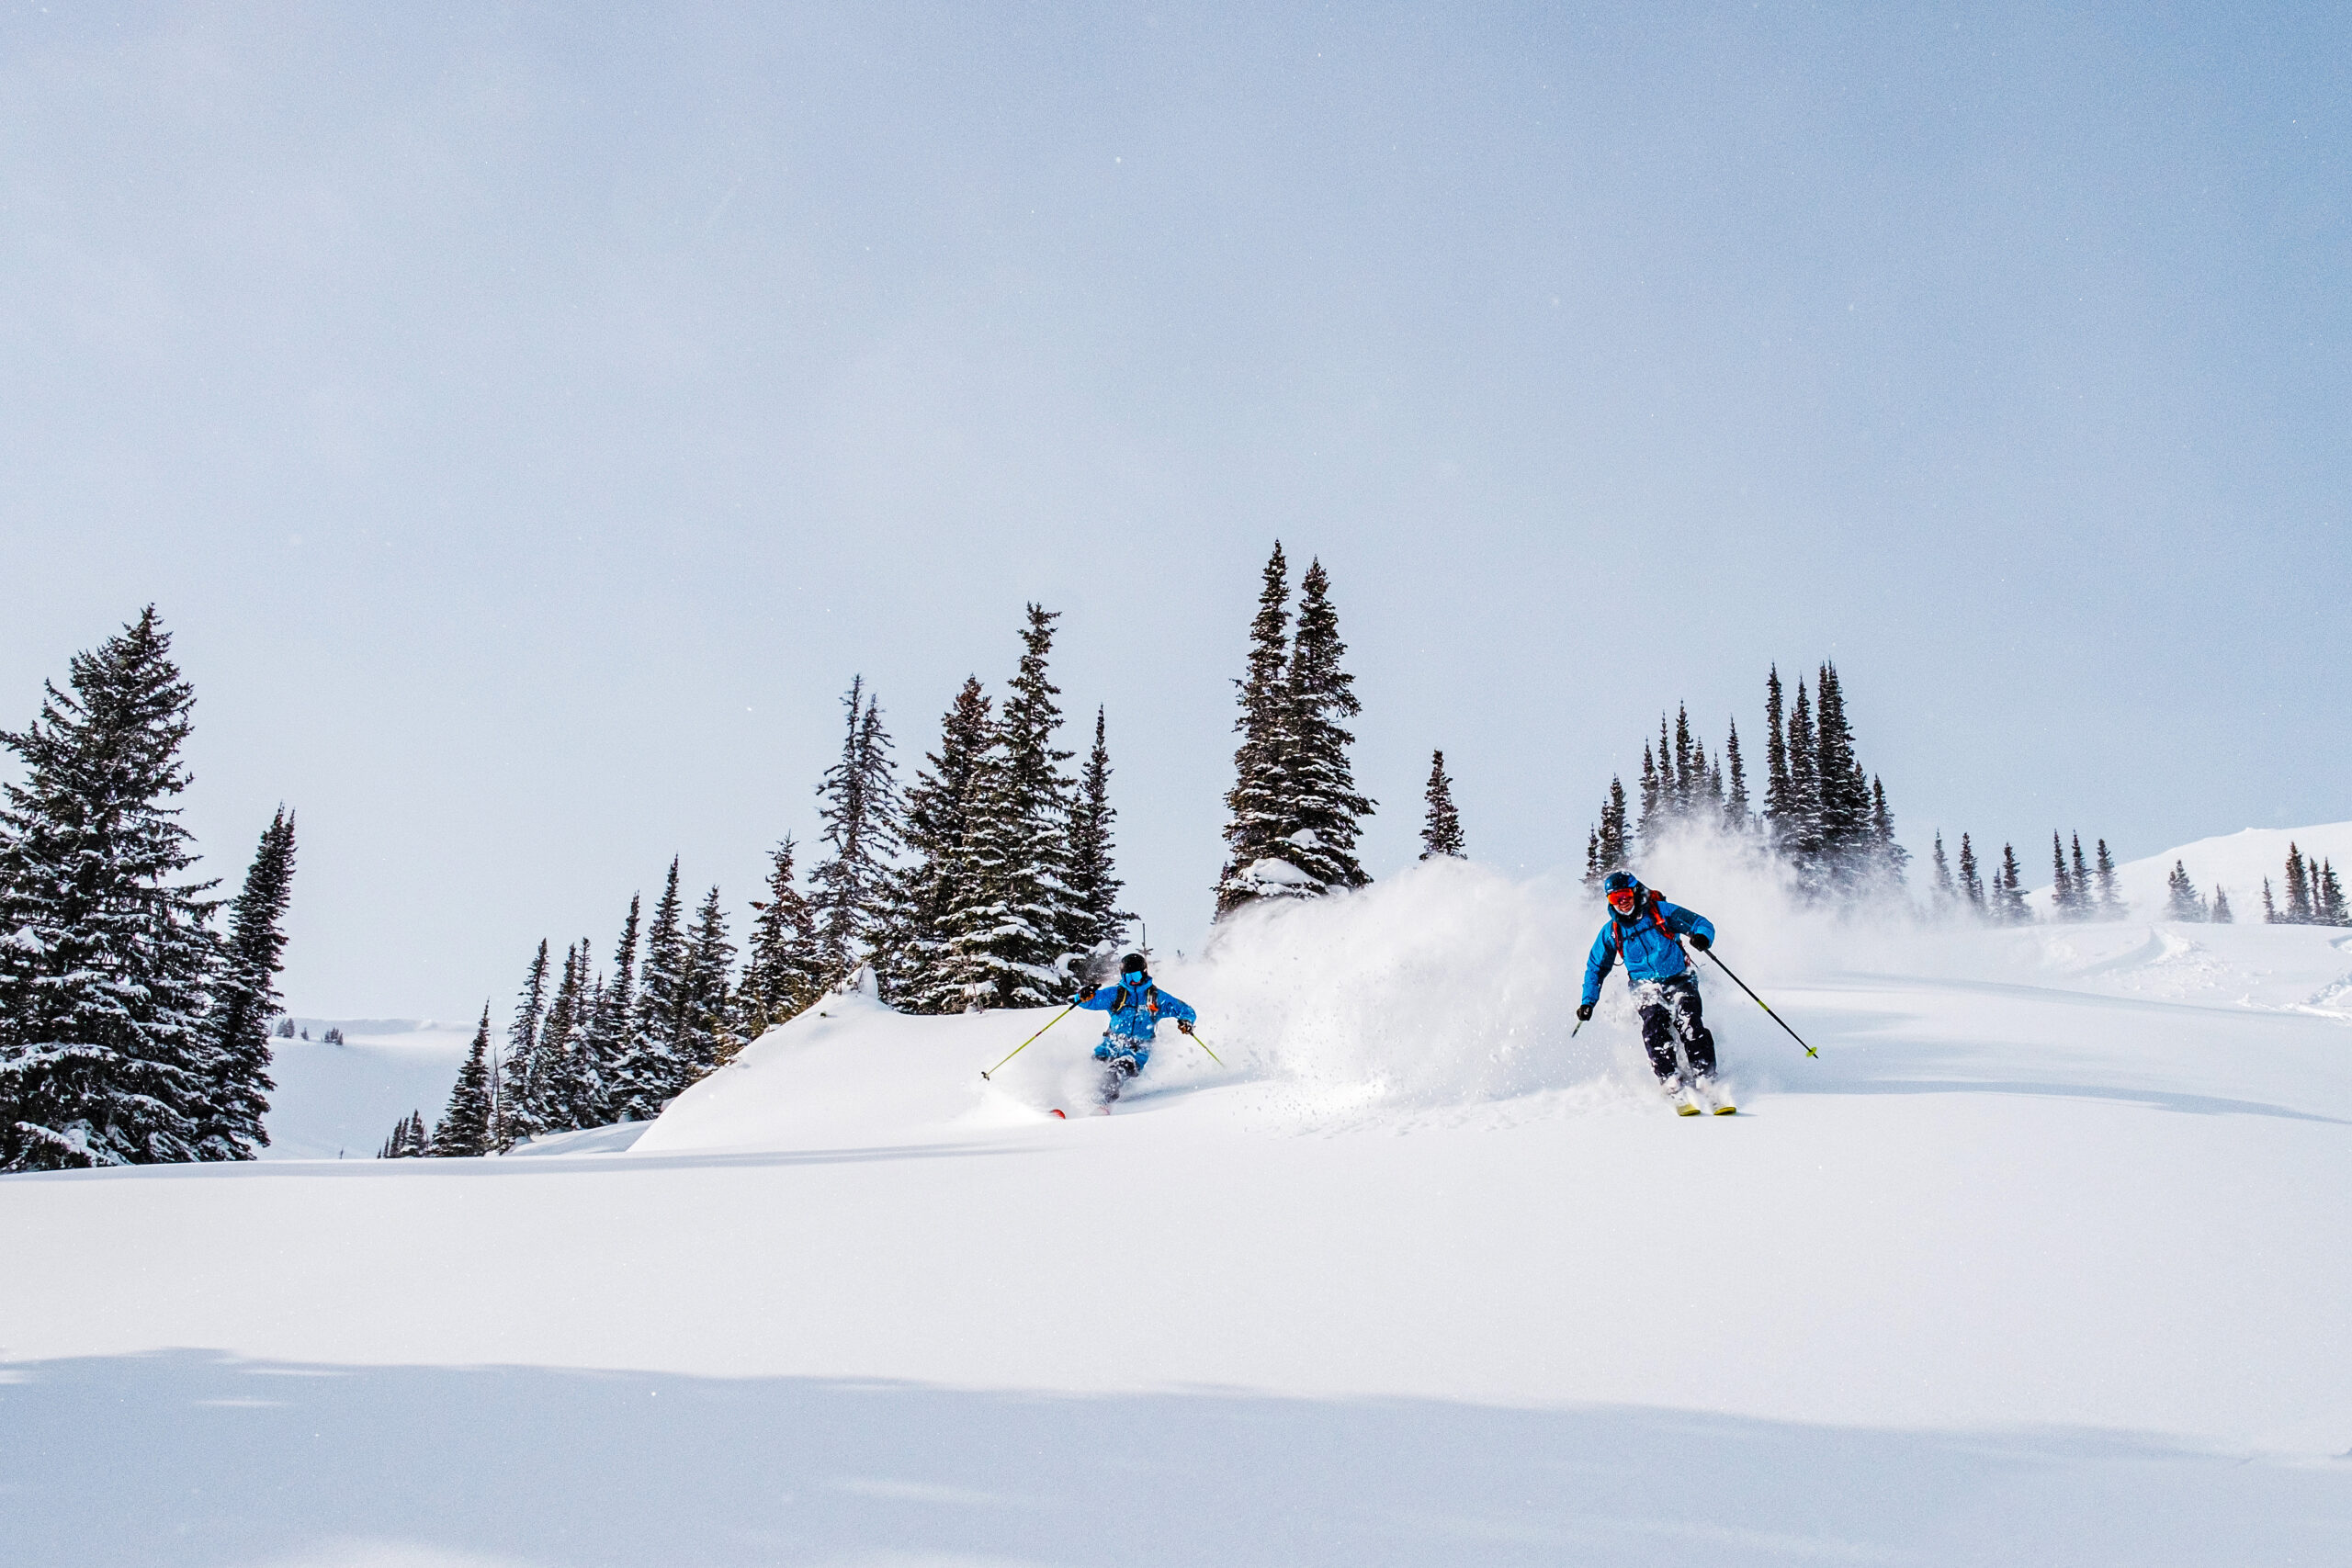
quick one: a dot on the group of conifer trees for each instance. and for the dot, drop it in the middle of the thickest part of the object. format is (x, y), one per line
(987, 882)
(2313, 895)
(134, 1028)
(2081, 889)
(1822, 814)
(1295, 809)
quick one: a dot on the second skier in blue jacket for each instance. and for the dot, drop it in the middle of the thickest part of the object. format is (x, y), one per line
(1136, 1006)
(1647, 931)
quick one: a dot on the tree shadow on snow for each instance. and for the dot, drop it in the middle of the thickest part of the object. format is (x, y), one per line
(194, 1460)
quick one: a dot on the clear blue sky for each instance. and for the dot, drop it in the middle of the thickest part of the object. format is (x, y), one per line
(528, 418)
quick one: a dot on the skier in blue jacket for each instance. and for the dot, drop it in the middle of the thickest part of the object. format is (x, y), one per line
(1647, 931)
(1136, 1006)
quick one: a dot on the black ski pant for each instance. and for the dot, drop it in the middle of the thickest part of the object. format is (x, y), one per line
(1671, 1010)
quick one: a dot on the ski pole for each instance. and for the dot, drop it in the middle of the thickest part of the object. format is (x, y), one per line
(1759, 1001)
(1030, 1041)
(1204, 1044)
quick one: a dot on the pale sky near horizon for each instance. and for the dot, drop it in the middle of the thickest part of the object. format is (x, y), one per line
(529, 419)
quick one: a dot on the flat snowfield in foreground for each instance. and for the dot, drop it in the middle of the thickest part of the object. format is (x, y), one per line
(2044, 1260)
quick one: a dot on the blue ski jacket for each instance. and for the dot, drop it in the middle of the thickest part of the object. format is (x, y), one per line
(1135, 1013)
(1650, 953)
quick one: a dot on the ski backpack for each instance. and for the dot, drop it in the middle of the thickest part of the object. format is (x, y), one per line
(1150, 999)
(1617, 929)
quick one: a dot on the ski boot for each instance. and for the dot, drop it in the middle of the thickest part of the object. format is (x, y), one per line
(1678, 1096)
(1711, 1093)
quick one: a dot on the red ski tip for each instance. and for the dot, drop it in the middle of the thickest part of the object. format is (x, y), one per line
(1058, 1112)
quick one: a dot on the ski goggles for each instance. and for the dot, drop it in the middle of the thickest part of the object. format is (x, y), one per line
(1624, 898)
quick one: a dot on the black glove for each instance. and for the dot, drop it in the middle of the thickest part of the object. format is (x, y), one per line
(1086, 993)
(1584, 1013)
(1702, 942)
(1185, 1024)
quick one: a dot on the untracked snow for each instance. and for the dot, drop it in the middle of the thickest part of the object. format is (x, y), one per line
(2041, 1260)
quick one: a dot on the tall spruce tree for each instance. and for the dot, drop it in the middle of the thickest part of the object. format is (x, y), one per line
(1972, 883)
(703, 1038)
(1441, 826)
(2084, 907)
(1843, 814)
(562, 1080)
(518, 1087)
(2220, 914)
(1946, 894)
(1257, 805)
(2327, 897)
(2269, 909)
(1326, 810)
(2299, 889)
(1011, 929)
(244, 999)
(1736, 819)
(605, 1039)
(1884, 857)
(855, 887)
(1800, 835)
(1780, 789)
(2182, 901)
(646, 1071)
(465, 1128)
(782, 973)
(1094, 882)
(107, 957)
(2013, 910)
(948, 789)
(2061, 882)
(2110, 903)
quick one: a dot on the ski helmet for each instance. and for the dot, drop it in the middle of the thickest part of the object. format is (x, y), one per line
(1623, 891)
(1133, 964)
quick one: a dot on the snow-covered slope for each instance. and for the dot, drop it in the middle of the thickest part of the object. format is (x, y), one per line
(2236, 863)
(342, 1099)
(2039, 1261)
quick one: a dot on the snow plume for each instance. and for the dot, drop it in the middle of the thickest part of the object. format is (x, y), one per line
(1447, 983)
(1454, 984)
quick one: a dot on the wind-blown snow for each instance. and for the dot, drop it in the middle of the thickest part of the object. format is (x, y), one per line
(2039, 1261)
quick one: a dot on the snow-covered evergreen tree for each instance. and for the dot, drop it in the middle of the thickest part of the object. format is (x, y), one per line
(1094, 882)
(518, 1079)
(606, 1037)
(2327, 899)
(1257, 805)
(2085, 907)
(107, 957)
(2183, 902)
(1780, 789)
(1972, 884)
(1012, 924)
(646, 1072)
(1442, 824)
(1738, 820)
(1325, 811)
(855, 887)
(2110, 903)
(2011, 902)
(2061, 882)
(465, 1128)
(1799, 833)
(409, 1139)
(244, 999)
(783, 972)
(703, 1039)
(947, 790)
(1946, 895)
(563, 1080)
(2299, 889)
(2269, 909)
(2220, 914)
